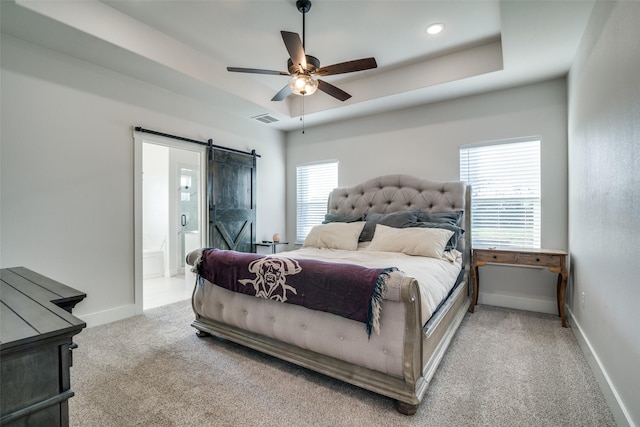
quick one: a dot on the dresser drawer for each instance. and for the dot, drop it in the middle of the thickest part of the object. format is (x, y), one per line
(542, 260)
(496, 256)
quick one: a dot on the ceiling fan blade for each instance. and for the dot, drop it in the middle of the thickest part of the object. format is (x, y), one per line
(330, 89)
(294, 46)
(284, 92)
(256, 71)
(347, 67)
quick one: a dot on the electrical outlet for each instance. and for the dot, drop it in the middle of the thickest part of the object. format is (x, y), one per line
(583, 297)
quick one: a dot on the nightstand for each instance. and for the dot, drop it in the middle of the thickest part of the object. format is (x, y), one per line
(272, 245)
(554, 260)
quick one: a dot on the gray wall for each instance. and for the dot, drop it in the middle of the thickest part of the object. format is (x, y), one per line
(67, 175)
(425, 141)
(604, 198)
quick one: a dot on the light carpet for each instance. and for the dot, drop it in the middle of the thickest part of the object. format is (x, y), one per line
(504, 368)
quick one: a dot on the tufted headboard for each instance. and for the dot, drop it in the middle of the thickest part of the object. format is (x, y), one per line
(391, 193)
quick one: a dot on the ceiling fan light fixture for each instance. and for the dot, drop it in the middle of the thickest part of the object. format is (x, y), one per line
(303, 85)
(435, 28)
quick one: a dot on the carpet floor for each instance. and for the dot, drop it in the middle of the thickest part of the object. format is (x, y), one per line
(504, 368)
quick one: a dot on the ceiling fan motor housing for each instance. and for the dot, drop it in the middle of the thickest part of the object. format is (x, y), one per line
(313, 64)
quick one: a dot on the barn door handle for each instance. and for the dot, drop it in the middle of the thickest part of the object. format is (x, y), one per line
(183, 220)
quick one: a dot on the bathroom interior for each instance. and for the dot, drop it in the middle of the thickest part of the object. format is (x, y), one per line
(171, 221)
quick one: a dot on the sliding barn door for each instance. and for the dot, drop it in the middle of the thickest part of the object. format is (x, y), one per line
(232, 200)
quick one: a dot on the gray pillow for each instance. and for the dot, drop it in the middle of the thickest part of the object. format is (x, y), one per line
(400, 219)
(341, 218)
(453, 217)
(453, 240)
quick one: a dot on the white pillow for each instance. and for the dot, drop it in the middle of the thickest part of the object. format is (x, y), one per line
(429, 242)
(335, 235)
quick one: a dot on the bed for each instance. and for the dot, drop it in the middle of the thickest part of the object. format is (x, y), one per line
(396, 353)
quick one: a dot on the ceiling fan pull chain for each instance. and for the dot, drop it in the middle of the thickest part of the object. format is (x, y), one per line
(302, 114)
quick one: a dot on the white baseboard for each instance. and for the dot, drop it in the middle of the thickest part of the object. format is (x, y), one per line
(108, 316)
(620, 413)
(519, 303)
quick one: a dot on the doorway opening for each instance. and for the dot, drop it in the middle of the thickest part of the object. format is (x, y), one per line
(172, 219)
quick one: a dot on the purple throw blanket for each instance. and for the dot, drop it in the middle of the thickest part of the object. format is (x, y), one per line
(347, 290)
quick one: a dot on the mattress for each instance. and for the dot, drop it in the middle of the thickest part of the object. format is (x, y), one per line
(436, 277)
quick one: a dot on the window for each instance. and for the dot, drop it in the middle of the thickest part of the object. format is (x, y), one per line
(314, 183)
(505, 192)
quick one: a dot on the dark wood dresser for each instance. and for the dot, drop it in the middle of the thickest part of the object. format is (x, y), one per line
(36, 332)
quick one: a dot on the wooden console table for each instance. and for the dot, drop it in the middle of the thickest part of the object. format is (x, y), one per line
(554, 260)
(36, 334)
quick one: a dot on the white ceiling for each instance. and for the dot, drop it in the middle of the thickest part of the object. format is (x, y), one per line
(185, 46)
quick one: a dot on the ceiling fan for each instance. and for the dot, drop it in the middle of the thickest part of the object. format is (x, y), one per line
(304, 69)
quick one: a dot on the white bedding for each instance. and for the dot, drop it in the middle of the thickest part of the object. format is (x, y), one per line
(435, 277)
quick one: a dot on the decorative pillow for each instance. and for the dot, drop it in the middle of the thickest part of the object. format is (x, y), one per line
(399, 219)
(335, 235)
(457, 232)
(341, 218)
(453, 217)
(429, 242)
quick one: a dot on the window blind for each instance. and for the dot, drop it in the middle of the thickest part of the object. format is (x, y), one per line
(314, 182)
(505, 193)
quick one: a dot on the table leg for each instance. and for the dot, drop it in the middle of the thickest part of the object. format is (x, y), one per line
(558, 286)
(475, 279)
(562, 287)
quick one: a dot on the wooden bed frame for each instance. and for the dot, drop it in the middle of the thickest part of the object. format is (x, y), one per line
(424, 345)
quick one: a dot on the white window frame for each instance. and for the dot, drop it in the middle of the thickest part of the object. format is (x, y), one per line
(506, 194)
(313, 185)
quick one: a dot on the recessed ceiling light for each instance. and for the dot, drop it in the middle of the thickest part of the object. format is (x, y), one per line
(435, 28)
